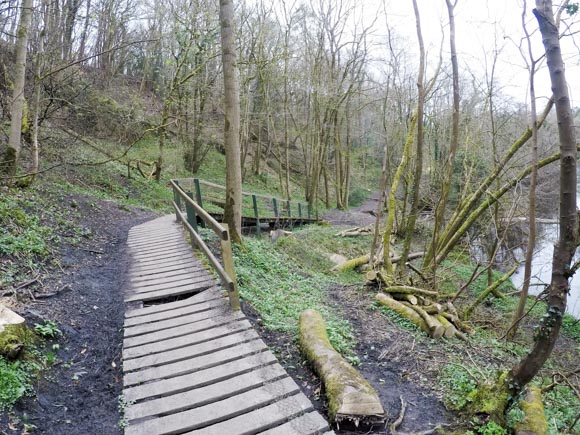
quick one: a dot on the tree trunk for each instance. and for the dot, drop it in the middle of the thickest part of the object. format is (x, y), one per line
(518, 313)
(233, 208)
(12, 154)
(415, 190)
(564, 249)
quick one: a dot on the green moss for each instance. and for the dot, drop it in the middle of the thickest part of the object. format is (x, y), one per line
(13, 335)
(491, 398)
(535, 418)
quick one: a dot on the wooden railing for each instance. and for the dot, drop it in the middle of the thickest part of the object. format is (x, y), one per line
(260, 208)
(193, 210)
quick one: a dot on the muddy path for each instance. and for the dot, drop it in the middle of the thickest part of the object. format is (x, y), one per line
(80, 392)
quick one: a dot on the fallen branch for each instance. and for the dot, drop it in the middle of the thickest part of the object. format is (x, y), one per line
(394, 425)
(409, 290)
(349, 395)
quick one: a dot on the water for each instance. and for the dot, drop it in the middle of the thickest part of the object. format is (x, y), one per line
(542, 268)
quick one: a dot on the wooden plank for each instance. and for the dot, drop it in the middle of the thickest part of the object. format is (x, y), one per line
(136, 243)
(188, 352)
(153, 249)
(178, 331)
(161, 294)
(186, 340)
(201, 378)
(206, 295)
(170, 323)
(153, 255)
(260, 419)
(143, 288)
(218, 411)
(178, 312)
(171, 259)
(308, 424)
(194, 364)
(165, 271)
(172, 277)
(206, 395)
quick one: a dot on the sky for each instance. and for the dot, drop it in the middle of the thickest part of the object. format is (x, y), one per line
(481, 27)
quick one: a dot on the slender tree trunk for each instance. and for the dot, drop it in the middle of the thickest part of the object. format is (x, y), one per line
(233, 206)
(549, 329)
(12, 154)
(448, 178)
(416, 187)
(85, 31)
(518, 313)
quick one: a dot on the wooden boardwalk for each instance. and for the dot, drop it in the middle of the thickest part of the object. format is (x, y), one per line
(191, 364)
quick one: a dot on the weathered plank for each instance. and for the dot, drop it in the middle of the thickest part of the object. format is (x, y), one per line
(178, 312)
(178, 276)
(195, 364)
(260, 419)
(166, 271)
(170, 323)
(186, 340)
(162, 247)
(172, 259)
(153, 255)
(307, 424)
(143, 288)
(178, 331)
(208, 295)
(222, 410)
(136, 244)
(178, 384)
(192, 351)
(174, 291)
(205, 395)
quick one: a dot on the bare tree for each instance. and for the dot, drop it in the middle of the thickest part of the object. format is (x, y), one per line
(564, 249)
(233, 200)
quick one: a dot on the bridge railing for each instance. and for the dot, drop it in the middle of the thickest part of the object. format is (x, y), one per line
(183, 199)
(262, 208)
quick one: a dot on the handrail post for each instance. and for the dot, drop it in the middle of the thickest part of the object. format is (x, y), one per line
(300, 211)
(289, 207)
(228, 259)
(177, 199)
(256, 215)
(275, 205)
(198, 196)
(191, 215)
(309, 211)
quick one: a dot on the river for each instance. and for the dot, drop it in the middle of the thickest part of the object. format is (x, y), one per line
(542, 268)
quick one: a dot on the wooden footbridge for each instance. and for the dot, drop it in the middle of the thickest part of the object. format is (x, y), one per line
(192, 362)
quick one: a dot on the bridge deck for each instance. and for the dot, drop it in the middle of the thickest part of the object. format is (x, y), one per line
(191, 364)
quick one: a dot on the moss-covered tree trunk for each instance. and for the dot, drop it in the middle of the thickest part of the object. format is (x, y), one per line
(9, 162)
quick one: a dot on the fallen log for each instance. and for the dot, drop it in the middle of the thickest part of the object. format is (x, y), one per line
(371, 275)
(534, 422)
(450, 330)
(412, 299)
(403, 310)
(350, 396)
(359, 261)
(436, 329)
(461, 325)
(409, 290)
(357, 231)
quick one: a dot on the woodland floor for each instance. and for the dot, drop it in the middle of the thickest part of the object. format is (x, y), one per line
(79, 394)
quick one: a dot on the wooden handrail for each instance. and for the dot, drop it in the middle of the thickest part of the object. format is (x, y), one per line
(226, 273)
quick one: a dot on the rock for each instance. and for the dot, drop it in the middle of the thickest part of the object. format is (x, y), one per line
(8, 317)
(338, 259)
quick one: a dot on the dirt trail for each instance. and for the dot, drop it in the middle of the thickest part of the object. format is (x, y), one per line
(79, 394)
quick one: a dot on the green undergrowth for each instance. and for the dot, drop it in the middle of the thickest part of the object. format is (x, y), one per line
(310, 248)
(16, 379)
(280, 291)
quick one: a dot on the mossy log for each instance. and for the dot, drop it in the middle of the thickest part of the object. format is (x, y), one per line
(436, 329)
(371, 275)
(409, 290)
(450, 330)
(352, 264)
(412, 299)
(349, 395)
(403, 311)
(459, 324)
(535, 419)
